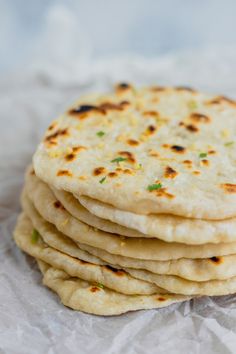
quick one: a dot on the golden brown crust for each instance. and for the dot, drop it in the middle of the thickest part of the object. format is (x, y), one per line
(144, 131)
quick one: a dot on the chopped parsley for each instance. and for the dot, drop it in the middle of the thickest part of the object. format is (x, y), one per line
(34, 236)
(100, 285)
(230, 143)
(192, 104)
(102, 180)
(153, 187)
(139, 166)
(119, 159)
(202, 155)
(100, 133)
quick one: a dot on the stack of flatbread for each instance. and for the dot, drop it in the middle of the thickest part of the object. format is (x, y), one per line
(130, 202)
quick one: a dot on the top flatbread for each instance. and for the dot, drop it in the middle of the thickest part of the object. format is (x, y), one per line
(152, 150)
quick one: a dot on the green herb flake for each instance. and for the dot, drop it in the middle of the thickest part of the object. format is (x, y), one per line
(102, 180)
(100, 133)
(100, 285)
(230, 143)
(140, 166)
(202, 155)
(119, 159)
(192, 104)
(153, 187)
(34, 236)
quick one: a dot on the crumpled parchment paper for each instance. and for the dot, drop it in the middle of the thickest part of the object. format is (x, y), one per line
(32, 320)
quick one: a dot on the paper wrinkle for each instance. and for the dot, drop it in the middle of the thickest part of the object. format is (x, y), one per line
(32, 320)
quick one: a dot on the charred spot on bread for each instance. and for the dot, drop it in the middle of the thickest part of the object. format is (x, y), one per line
(57, 204)
(192, 128)
(128, 155)
(59, 133)
(170, 172)
(133, 142)
(112, 174)
(229, 187)
(221, 99)
(161, 298)
(70, 157)
(61, 173)
(216, 260)
(94, 289)
(199, 118)
(99, 171)
(116, 271)
(178, 149)
(84, 108)
(185, 88)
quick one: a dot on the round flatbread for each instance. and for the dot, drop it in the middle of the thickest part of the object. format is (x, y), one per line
(182, 286)
(83, 296)
(152, 150)
(191, 269)
(198, 270)
(41, 198)
(169, 228)
(112, 278)
(81, 213)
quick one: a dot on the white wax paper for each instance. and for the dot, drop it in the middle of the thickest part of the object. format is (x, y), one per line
(32, 320)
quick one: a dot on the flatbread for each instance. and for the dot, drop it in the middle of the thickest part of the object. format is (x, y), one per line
(81, 213)
(168, 228)
(176, 146)
(182, 286)
(83, 296)
(150, 249)
(112, 278)
(191, 269)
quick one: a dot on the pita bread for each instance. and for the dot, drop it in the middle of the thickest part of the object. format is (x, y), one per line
(150, 249)
(81, 213)
(191, 269)
(168, 228)
(83, 296)
(182, 286)
(107, 276)
(156, 148)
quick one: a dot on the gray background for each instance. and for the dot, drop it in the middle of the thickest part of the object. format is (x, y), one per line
(39, 30)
